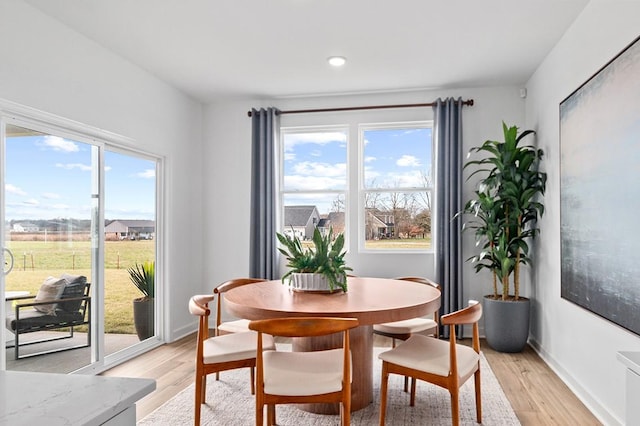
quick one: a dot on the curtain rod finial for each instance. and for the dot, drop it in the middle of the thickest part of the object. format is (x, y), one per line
(248, 113)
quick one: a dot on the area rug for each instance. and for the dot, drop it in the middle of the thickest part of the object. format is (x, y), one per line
(229, 402)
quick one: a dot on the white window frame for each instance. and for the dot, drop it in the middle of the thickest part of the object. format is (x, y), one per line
(362, 191)
(281, 189)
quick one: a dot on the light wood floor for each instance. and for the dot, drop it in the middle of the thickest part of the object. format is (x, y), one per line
(537, 395)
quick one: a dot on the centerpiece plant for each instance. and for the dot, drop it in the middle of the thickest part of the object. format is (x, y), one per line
(326, 258)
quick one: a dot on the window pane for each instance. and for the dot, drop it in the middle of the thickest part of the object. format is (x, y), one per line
(397, 158)
(315, 161)
(130, 231)
(397, 185)
(48, 187)
(314, 180)
(398, 220)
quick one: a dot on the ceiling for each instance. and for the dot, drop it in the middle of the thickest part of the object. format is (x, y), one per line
(278, 48)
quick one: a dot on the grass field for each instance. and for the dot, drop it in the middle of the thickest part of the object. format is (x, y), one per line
(399, 244)
(36, 260)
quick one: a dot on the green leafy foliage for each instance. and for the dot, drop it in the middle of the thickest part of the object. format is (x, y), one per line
(505, 207)
(327, 257)
(142, 275)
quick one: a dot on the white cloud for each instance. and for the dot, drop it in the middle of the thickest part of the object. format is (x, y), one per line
(308, 168)
(305, 183)
(408, 161)
(412, 179)
(147, 174)
(31, 202)
(71, 166)
(59, 144)
(322, 138)
(369, 159)
(12, 189)
(50, 196)
(289, 156)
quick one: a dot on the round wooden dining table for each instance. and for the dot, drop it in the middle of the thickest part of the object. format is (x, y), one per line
(370, 300)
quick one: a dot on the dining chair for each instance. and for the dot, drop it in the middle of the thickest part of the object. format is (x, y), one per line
(232, 326)
(444, 363)
(220, 353)
(402, 330)
(236, 325)
(285, 377)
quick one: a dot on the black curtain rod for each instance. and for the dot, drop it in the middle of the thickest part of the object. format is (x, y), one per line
(468, 102)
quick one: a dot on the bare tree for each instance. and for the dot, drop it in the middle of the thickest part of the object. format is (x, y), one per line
(337, 205)
(427, 181)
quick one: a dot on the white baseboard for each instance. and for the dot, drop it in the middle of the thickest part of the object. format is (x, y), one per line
(597, 409)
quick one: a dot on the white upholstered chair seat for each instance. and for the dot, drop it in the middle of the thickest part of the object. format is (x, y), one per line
(237, 326)
(410, 326)
(447, 364)
(431, 356)
(233, 347)
(288, 373)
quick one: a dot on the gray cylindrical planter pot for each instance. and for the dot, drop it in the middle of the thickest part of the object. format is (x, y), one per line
(143, 317)
(506, 323)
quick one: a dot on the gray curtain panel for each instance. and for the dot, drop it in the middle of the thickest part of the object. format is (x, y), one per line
(263, 252)
(447, 135)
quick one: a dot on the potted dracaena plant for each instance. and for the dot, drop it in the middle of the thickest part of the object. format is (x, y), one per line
(320, 269)
(504, 213)
(142, 275)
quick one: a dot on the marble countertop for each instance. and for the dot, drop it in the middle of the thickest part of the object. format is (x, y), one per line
(66, 399)
(631, 360)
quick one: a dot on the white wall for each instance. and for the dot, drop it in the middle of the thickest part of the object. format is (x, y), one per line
(227, 135)
(48, 67)
(579, 345)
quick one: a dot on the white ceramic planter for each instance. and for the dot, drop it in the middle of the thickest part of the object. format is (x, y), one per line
(310, 282)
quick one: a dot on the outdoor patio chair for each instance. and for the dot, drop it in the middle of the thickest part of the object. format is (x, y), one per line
(66, 304)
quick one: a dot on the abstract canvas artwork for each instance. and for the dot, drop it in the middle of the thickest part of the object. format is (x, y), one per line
(600, 191)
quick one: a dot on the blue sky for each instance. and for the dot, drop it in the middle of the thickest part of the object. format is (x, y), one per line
(397, 158)
(393, 158)
(50, 177)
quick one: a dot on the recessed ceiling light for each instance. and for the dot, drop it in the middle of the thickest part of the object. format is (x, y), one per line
(337, 61)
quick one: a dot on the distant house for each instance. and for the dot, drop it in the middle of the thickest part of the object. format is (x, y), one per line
(130, 229)
(335, 221)
(378, 224)
(25, 227)
(300, 221)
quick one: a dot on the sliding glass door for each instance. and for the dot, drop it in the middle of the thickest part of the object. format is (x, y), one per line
(75, 211)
